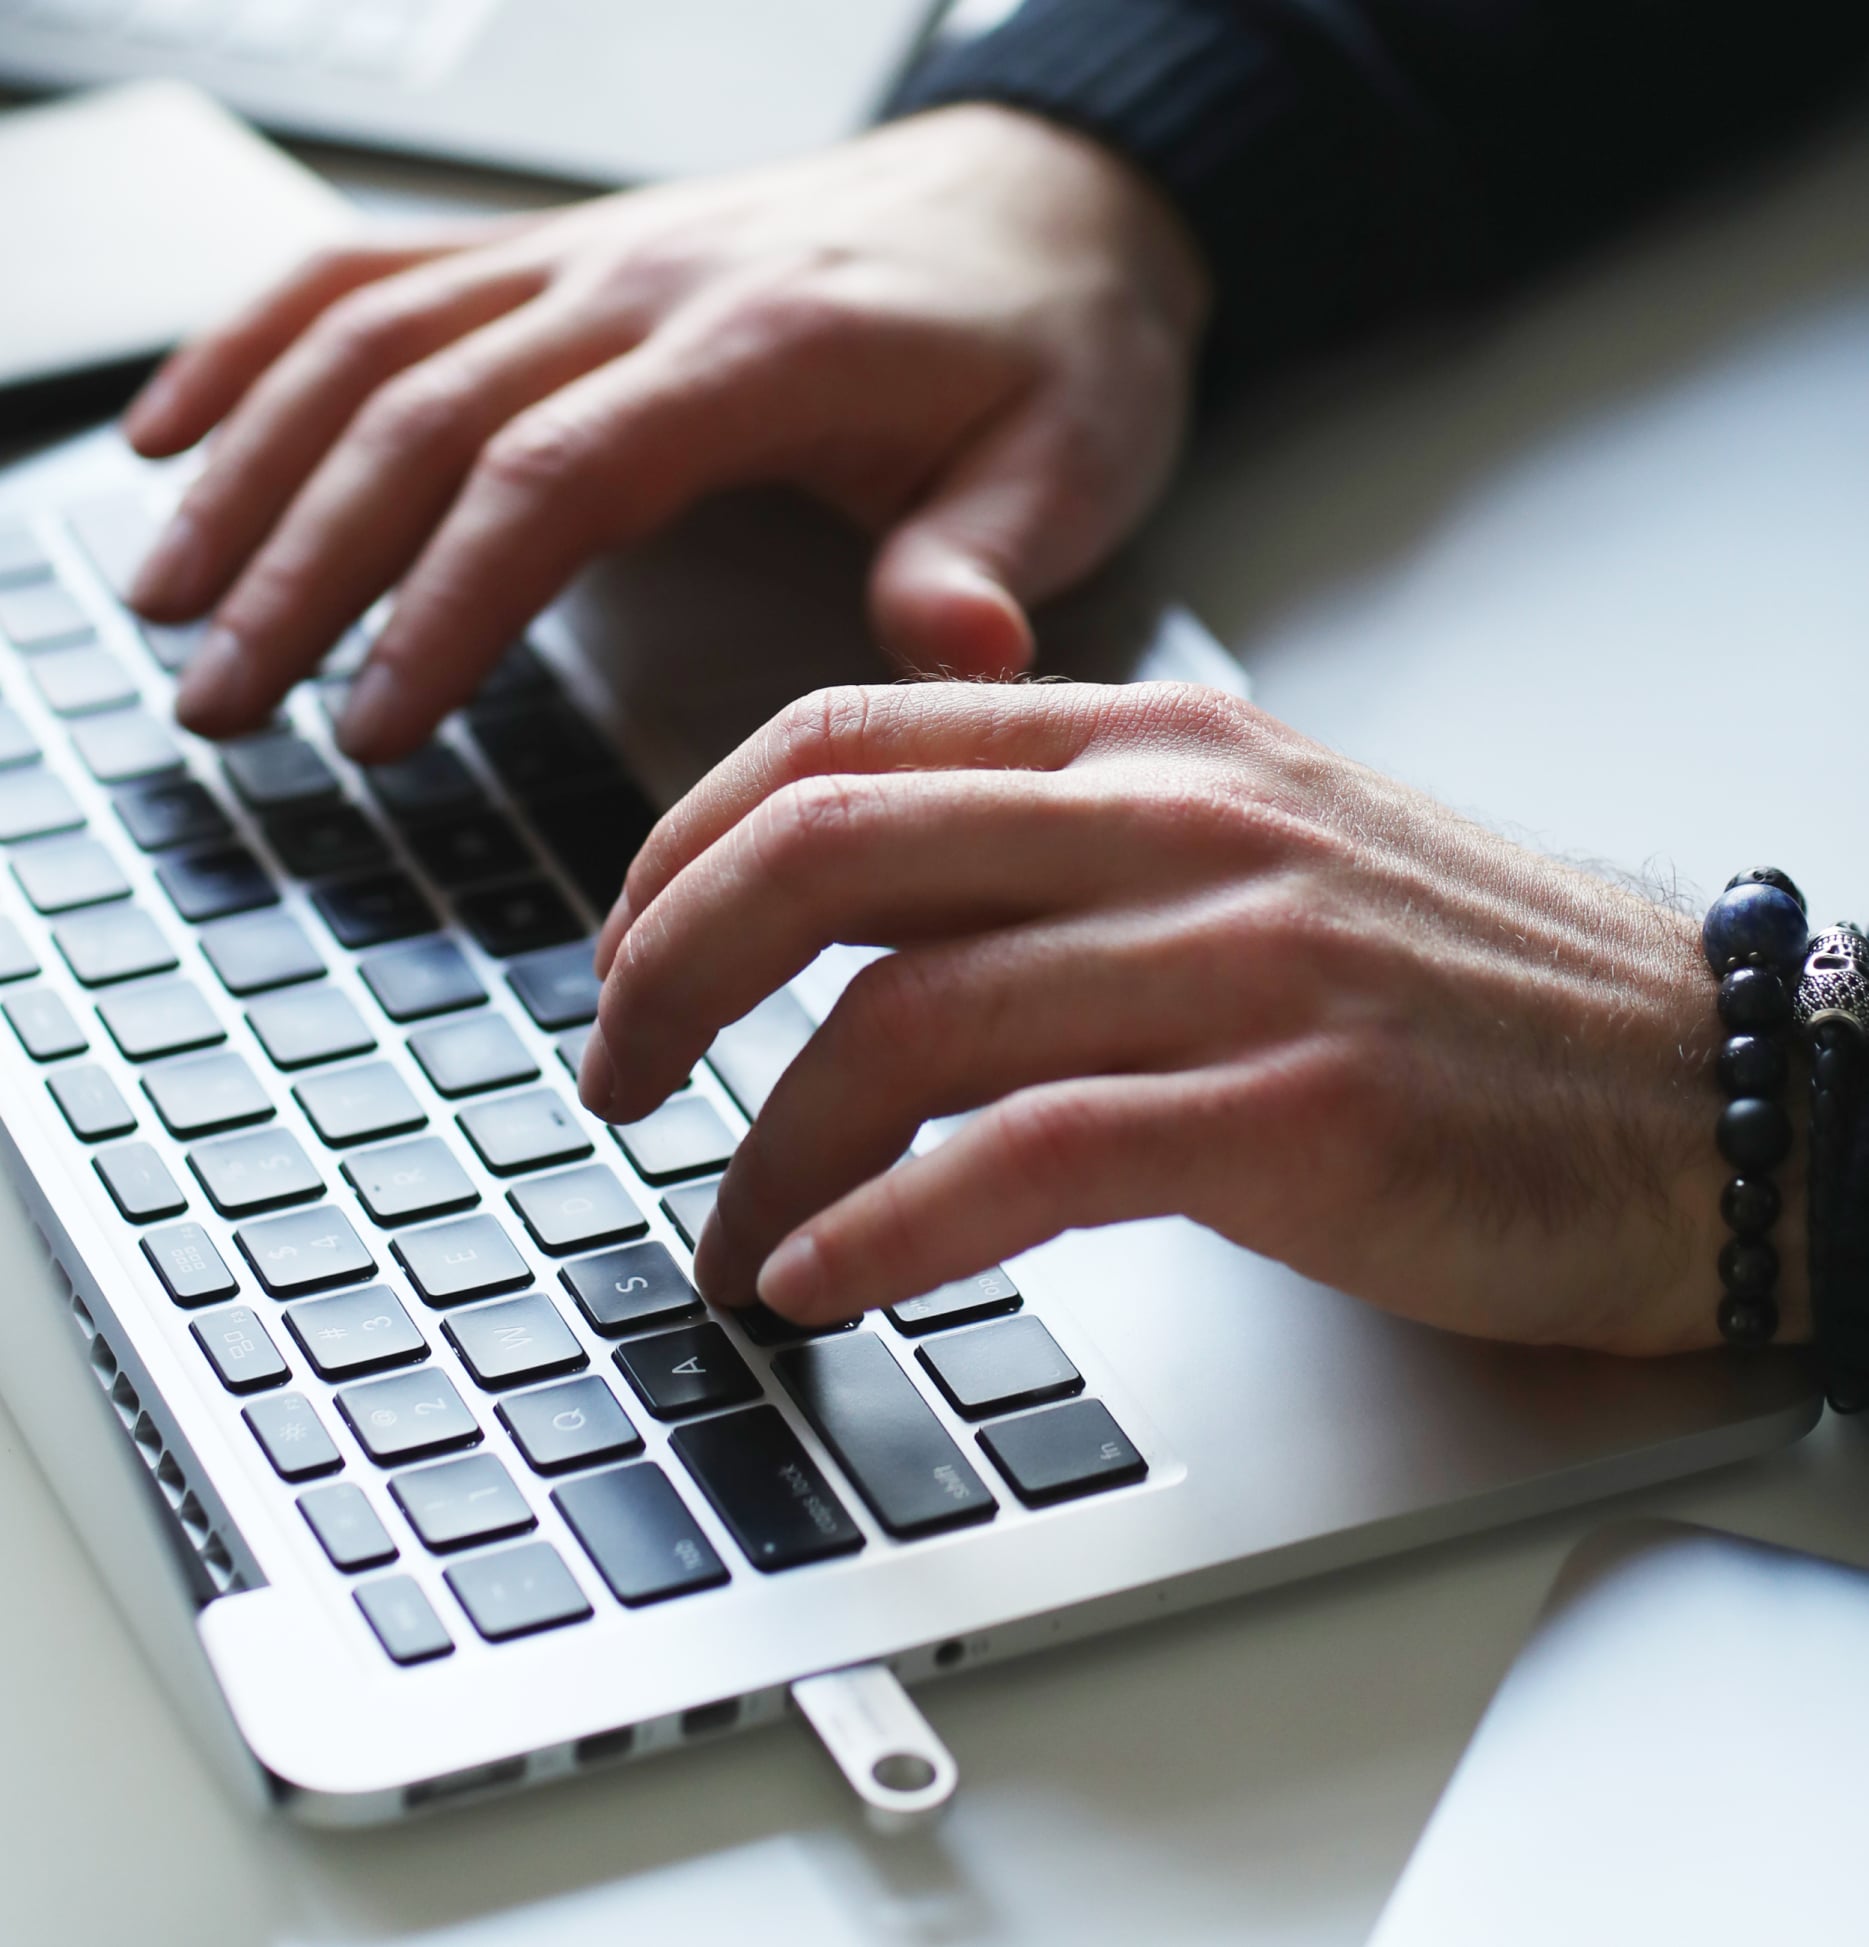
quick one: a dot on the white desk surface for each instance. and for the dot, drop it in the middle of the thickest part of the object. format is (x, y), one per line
(1589, 572)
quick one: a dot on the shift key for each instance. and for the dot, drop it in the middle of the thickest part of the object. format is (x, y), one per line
(767, 1489)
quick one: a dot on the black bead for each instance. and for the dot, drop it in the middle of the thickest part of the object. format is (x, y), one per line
(1747, 1321)
(1828, 1065)
(1752, 1064)
(1750, 1205)
(1753, 998)
(1768, 875)
(1753, 1134)
(1748, 1269)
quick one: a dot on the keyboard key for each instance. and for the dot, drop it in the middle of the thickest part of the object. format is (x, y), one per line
(203, 1094)
(348, 1528)
(431, 977)
(570, 1046)
(379, 907)
(405, 1623)
(883, 1434)
(577, 1210)
(244, 1358)
(123, 745)
(346, 657)
(34, 804)
(355, 1332)
(429, 783)
(751, 1055)
(463, 1057)
(992, 1294)
(558, 987)
(630, 1289)
(102, 947)
(520, 672)
(359, 1105)
(514, 1342)
(168, 1017)
(539, 749)
(139, 1183)
(309, 1024)
(42, 615)
(524, 1132)
(408, 1415)
(43, 1023)
(172, 644)
(644, 1542)
(17, 743)
(326, 839)
(254, 952)
(60, 874)
(210, 885)
(306, 1251)
(684, 1137)
(407, 1183)
(289, 1430)
(764, 1326)
(776, 1503)
(470, 848)
(159, 816)
(242, 1174)
(995, 1368)
(517, 1591)
(276, 769)
(470, 1258)
(90, 1103)
(595, 834)
(22, 559)
(692, 1370)
(1060, 1452)
(462, 1502)
(191, 1269)
(16, 957)
(573, 1425)
(688, 1207)
(115, 530)
(77, 682)
(518, 917)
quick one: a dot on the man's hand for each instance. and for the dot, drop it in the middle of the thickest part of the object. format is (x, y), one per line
(970, 331)
(1180, 960)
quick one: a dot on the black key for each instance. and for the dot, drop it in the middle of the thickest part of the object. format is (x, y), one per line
(630, 1289)
(524, 1132)
(264, 1171)
(1060, 1452)
(541, 749)
(203, 1094)
(644, 1542)
(89, 1101)
(22, 559)
(322, 840)
(517, 1591)
(463, 1057)
(992, 1294)
(684, 1137)
(309, 1024)
(470, 848)
(576, 1210)
(573, 1425)
(429, 783)
(380, 907)
(995, 1368)
(884, 1435)
(76, 682)
(571, 1045)
(470, 1258)
(408, 1415)
(519, 673)
(139, 1183)
(294, 1439)
(123, 745)
(355, 1332)
(558, 987)
(348, 1528)
(595, 833)
(43, 1023)
(42, 615)
(210, 885)
(191, 1269)
(767, 1489)
(276, 769)
(306, 1251)
(359, 1105)
(102, 947)
(159, 816)
(518, 917)
(688, 1207)
(16, 957)
(17, 743)
(511, 1343)
(764, 1326)
(167, 1017)
(405, 1623)
(431, 977)
(462, 1502)
(61, 874)
(172, 644)
(244, 1359)
(407, 1183)
(692, 1370)
(255, 952)
(756, 1050)
(34, 804)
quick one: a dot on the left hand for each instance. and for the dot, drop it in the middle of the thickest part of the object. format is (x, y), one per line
(1181, 960)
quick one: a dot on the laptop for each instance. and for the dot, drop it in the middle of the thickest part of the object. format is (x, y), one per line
(1676, 1755)
(595, 91)
(370, 1367)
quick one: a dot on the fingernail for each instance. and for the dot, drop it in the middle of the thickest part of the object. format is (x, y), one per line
(596, 1075)
(216, 684)
(173, 569)
(791, 1280)
(376, 701)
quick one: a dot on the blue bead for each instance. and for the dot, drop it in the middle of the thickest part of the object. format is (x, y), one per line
(1753, 925)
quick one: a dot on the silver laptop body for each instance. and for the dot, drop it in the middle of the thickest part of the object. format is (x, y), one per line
(1264, 1428)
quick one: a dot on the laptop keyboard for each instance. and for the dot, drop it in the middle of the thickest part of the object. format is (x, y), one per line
(315, 1031)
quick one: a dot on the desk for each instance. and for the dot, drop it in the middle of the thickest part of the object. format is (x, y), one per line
(1534, 570)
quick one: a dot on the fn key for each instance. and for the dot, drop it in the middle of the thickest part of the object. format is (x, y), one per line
(1063, 1451)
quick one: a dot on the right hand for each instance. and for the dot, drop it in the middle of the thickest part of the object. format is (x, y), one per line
(970, 331)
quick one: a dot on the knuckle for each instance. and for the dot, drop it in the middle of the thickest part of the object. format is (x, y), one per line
(826, 730)
(789, 314)
(540, 455)
(885, 1014)
(798, 824)
(1046, 1137)
(369, 328)
(423, 409)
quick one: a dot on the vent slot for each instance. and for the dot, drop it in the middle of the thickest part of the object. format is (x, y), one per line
(464, 1784)
(703, 1718)
(603, 1747)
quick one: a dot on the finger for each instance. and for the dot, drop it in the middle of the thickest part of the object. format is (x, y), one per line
(365, 513)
